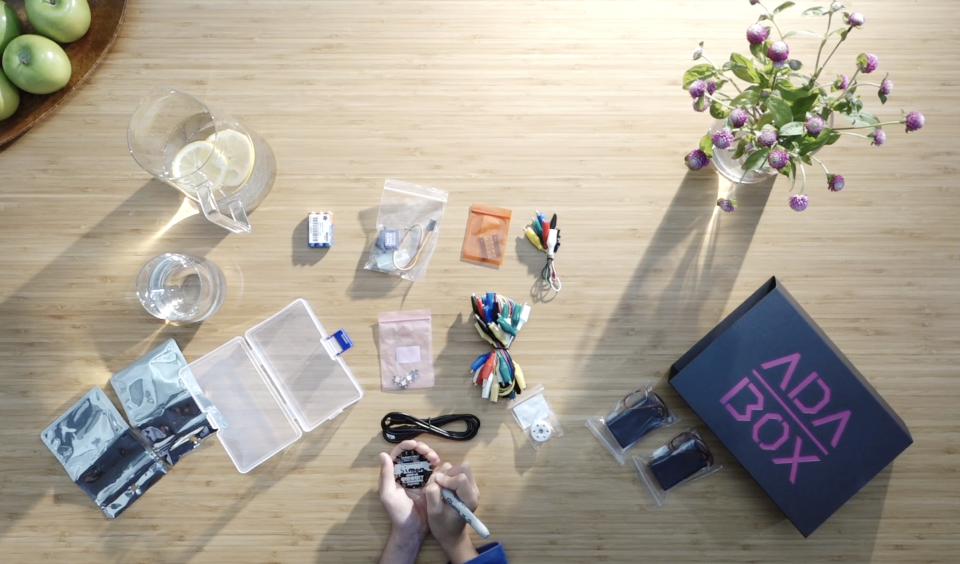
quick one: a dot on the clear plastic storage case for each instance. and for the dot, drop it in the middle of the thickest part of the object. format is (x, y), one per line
(263, 392)
(637, 414)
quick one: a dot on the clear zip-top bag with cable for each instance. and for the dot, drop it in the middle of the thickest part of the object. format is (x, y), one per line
(408, 224)
(637, 414)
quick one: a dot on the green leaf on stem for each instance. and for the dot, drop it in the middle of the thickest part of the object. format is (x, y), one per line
(697, 72)
(802, 32)
(792, 128)
(727, 66)
(806, 159)
(756, 160)
(862, 61)
(791, 169)
(746, 74)
(741, 148)
(747, 98)
(834, 137)
(757, 51)
(780, 110)
(706, 145)
(718, 111)
(814, 12)
(810, 144)
(882, 96)
(790, 91)
(738, 59)
(763, 17)
(783, 7)
(804, 105)
(860, 118)
(765, 120)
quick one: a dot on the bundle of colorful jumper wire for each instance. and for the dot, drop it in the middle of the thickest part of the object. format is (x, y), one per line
(498, 319)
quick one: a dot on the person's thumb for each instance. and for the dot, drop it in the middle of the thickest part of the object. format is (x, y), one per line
(434, 499)
(386, 472)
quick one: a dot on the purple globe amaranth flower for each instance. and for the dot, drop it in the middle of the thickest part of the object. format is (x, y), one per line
(842, 82)
(871, 64)
(778, 159)
(767, 138)
(697, 88)
(697, 53)
(814, 125)
(879, 137)
(711, 86)
(754, 2)
(835, 182)
(726, 204)
(778, 51)
(886, 87)
(722, 139)
(856, 19)
(914, 121)
(836, 6)
(696, 160)
(799, 202)
(757, 34)
(739, 117)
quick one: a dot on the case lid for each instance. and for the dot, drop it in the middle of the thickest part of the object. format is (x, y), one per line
(285, 376)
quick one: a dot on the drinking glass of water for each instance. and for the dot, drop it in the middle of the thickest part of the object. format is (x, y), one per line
(181, 288)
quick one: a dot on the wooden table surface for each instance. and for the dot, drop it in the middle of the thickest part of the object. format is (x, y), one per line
(566, 106)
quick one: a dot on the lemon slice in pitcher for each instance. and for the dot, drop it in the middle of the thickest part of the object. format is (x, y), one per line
(192, 165)
(236, 150)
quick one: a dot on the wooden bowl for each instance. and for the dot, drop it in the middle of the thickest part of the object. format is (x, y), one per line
(85, 53)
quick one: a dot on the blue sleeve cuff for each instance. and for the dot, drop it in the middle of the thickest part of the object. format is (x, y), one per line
(490, 554)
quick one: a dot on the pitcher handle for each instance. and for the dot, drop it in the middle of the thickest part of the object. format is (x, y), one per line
(236, 223)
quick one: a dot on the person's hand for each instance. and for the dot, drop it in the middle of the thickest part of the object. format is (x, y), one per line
(447, 526)
(407, 508)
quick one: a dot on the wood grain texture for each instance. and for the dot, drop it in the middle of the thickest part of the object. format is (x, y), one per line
(566, 106)
(85, 54)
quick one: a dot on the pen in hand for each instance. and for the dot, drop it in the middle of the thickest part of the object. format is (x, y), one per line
(465, 512)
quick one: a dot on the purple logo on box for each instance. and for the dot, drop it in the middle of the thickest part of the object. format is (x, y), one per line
(792, 416)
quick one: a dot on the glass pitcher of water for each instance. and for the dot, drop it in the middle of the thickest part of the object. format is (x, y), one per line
(213, 159)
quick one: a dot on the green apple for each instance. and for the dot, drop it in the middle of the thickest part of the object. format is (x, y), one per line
(36, 64)
(60, 20)
(9, 97)
(10, 25)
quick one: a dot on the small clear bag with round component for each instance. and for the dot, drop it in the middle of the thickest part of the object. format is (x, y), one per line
(535, 417)
(636, 415)
(408, 225)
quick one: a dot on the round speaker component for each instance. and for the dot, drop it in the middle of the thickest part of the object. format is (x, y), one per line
(541, 431)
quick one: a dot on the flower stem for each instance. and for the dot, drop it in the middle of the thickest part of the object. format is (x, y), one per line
(819, 162)
(803, 172)
(770, 17)
(728, 106)
(873, 125)
(823, 42)
(853, 134)
(816, 75)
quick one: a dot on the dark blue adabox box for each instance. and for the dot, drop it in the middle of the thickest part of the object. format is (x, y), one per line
(790, 407)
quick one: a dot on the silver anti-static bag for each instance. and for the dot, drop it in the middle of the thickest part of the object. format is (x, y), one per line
(159, 406)
(102, 454)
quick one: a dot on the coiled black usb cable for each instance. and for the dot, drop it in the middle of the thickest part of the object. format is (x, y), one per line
(398, 427)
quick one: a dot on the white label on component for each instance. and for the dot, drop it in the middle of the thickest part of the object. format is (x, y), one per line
(408, 355)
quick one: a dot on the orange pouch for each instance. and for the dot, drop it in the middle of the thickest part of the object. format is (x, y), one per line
(486, 238)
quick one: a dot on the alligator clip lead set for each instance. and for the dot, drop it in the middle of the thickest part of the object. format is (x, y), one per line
(545, 236)
(498, 320)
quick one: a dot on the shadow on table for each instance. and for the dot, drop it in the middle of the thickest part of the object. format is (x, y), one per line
(39, 333)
